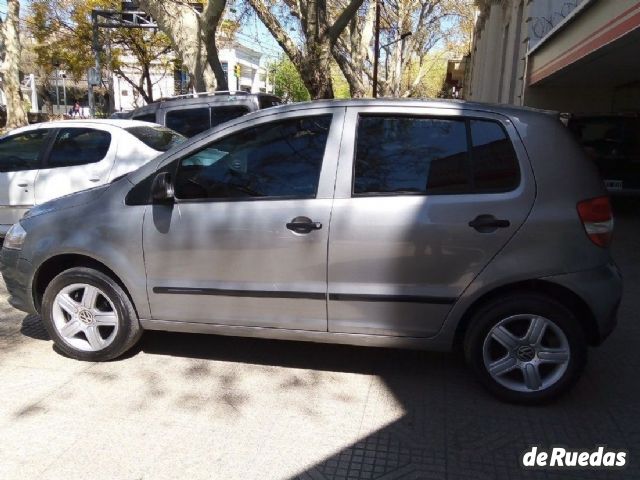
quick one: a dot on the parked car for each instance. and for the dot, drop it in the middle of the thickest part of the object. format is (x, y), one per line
(190, 115)
(381, 223)
(47, 160)
(613, 143)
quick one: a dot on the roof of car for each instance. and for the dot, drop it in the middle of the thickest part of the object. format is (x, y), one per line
(508, 110)
(113, 122)
(203, 97)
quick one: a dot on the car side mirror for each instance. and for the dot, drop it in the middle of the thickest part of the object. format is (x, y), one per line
(162, 188)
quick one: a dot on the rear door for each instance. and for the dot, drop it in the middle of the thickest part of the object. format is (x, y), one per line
(20, 157)
(430, 196)
(79, 158)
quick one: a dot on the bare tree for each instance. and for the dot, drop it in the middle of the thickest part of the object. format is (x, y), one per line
(319, 28)
(193, 36)
(405, 62)
(353, 53)
(10, 70)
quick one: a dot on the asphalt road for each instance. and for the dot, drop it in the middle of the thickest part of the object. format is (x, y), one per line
(205, 407)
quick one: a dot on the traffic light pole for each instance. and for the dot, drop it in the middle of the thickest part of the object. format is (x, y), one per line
(111, 19)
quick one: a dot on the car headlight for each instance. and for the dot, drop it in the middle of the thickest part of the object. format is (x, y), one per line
(14, 239)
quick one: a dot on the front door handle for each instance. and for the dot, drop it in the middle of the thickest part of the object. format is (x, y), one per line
(303, 225)
(488, 223)
(24, 184)
(94, 179)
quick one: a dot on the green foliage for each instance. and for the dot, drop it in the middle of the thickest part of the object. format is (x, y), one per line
(340, 85)
(63, 35)
(287, 82)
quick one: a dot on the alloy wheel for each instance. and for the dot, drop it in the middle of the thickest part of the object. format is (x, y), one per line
(526, 353)
(85, 317)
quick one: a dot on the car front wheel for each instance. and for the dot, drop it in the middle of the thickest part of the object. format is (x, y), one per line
(89, 316)
(526, 348)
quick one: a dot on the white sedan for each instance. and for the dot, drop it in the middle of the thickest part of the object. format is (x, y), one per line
(48, 160)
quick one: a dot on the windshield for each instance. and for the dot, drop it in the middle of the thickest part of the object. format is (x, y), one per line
(156, 137)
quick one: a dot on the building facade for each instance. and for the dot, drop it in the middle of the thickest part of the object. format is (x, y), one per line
(167, 81)
(578, 56)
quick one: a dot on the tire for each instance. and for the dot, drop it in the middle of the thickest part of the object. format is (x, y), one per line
(511, 338)
(89, 316)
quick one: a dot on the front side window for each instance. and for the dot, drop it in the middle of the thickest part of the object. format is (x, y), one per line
(281, 159)
(224, 114)
(22, 151)
(398, 155)
(189, 122)
(78, 146)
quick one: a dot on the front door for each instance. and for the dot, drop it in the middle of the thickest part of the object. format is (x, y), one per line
(80, 158)
(433, 195)
(245, 242)
(20, 157)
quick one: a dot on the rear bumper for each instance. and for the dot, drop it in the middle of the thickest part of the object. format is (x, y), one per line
(17, 274)
(601, 290)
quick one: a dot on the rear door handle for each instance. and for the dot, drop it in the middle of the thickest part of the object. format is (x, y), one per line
(303, 225)
(488, 223)
(94, 179)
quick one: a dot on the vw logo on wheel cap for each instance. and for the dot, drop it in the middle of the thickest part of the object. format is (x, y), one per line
(85, 316)
(525, 353)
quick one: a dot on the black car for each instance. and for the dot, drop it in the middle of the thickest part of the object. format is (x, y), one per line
(613, 142)
(192, 114)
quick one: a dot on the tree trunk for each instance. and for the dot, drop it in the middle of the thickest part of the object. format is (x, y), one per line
(352, 53)
(182, 25)
(319, 37)
(315, 72)
(16, 115)
(210, 21)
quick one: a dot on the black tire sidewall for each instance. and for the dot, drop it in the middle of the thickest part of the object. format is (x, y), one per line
(128, 327)
(488, 316)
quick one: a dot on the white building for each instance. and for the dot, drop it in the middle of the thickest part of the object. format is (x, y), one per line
(253, 76)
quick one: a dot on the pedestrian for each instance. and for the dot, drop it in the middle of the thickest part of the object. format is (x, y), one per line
(76, 110)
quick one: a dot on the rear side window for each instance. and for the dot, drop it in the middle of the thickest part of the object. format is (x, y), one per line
(434, 156)
(266, 102)
(158, 138)
(22, 151)
(495, 165)
(78, 146)
(189, 122)
(224, 114)
(147, 117)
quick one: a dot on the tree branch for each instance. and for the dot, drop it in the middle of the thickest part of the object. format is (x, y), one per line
(272, 24)
(343, 20)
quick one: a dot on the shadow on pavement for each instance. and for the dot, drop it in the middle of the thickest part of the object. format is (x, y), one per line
(452, 428)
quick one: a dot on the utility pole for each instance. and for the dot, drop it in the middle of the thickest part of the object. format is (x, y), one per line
(376, 50)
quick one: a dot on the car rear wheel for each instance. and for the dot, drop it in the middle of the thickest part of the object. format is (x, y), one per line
(526, 348)
(89, 316)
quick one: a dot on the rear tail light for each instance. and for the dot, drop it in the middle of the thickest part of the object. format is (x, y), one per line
(597, 218)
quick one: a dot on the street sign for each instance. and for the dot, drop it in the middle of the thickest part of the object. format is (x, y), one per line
(93, 76)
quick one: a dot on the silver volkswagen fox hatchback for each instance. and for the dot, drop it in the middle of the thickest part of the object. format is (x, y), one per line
(417, 224)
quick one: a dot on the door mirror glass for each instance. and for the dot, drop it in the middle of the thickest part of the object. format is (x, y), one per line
(162, 188)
